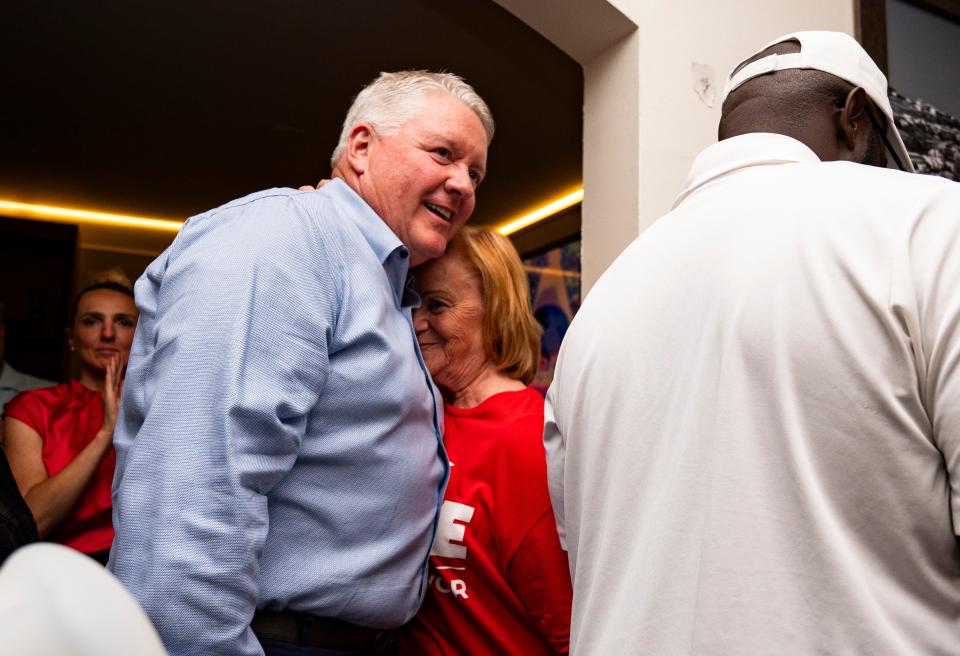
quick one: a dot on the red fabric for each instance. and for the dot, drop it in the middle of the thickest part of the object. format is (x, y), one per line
(499, 581)
(67, 417)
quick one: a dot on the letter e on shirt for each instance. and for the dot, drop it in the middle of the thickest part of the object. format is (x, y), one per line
(449, 531)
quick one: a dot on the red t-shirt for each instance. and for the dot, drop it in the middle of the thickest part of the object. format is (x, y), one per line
(499, 583)
(68, 417)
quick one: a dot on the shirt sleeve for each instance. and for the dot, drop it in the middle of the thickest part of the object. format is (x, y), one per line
(536, 567)
(26, 407)
(229, 358)
(540, 574)
(927, 300)
(554, 446)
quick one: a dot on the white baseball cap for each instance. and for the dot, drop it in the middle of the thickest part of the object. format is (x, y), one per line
(838, 54)
(55, 601)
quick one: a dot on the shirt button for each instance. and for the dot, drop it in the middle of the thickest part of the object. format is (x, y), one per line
(404, 253)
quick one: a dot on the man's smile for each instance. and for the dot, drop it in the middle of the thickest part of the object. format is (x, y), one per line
(442, 212)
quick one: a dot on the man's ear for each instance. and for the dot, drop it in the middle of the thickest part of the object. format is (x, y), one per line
(852, 119)
(358, 147)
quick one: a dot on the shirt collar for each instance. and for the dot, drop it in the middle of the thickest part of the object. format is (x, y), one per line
(389, 250)
(410, 298)
(743, 151)
(378, 234)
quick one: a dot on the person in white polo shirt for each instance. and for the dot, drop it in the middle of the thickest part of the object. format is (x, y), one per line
(753, 435)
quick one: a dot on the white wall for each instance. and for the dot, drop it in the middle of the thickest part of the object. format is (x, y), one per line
(674, 123)
(643, 120)
(611, 157)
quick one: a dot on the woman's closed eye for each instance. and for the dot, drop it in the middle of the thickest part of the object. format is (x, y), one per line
(436, 306)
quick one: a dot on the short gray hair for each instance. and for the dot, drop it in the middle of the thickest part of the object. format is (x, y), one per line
(392, 99)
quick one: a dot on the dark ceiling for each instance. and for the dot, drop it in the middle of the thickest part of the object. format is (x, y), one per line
(170, 108)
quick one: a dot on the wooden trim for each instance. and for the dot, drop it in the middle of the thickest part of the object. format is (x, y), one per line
(870, 24)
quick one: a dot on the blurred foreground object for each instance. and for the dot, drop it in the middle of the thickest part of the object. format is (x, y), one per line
(55, 601)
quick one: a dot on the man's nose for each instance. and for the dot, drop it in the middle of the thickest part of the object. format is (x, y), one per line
(459, 181)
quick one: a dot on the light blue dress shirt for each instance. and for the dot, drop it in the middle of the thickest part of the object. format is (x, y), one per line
(279, 439)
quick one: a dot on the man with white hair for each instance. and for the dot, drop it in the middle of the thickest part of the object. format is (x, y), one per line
(753, 435)
(279, 456)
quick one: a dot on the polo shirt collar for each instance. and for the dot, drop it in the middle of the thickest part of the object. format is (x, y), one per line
(743, 151)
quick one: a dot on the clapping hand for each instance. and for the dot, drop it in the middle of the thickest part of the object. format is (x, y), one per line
(113, 384)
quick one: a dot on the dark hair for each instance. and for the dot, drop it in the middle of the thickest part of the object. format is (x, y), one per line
(110, 285)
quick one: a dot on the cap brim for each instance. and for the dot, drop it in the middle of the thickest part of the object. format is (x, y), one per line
(893, 136)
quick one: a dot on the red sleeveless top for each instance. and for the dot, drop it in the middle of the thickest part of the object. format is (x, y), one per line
(68, 417)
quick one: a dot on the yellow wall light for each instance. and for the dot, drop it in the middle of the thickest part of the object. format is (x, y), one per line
(78, 216)
(73, 215)
(550, 271)
(541, 213)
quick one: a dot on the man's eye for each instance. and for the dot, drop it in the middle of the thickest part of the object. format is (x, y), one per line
(442, 152)
(88, 321)
(476, 177)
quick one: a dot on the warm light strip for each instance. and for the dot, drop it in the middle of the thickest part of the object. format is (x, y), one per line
(541, 213)
(550, 271)
(72, 215)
